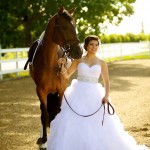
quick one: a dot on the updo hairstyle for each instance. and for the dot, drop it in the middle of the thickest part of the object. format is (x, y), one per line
(90, 38)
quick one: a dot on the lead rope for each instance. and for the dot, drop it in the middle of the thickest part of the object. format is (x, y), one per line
(80, 114)
(108, 109)
(108, 103)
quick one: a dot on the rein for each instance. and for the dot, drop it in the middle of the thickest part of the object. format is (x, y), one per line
(108, 107)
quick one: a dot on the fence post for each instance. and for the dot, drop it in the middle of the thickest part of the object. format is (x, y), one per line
(149, 50)
(132, 46)
(17, 64)
(109, 53)
(121, 51)
(1, 76)
(101, 52)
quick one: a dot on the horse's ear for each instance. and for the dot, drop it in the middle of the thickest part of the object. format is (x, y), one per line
(71, 11)
(61, 9)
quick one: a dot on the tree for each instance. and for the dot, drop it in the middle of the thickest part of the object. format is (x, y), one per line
(21, 22)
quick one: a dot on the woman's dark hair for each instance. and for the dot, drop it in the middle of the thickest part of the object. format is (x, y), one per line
(90, 38)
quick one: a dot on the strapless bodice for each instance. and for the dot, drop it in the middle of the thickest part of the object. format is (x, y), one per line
(92, 72)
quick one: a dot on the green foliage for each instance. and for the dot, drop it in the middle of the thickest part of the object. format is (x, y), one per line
(21, 22)
(129, 37)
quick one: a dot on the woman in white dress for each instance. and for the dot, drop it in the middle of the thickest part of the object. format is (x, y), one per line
(78, 126)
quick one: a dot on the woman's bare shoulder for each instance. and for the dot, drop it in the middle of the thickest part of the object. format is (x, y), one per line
(101, 61)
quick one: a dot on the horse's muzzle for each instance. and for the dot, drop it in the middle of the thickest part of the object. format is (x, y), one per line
(76, 51)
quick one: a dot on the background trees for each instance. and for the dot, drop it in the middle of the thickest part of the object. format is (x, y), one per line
(129, 37)
(21, 22)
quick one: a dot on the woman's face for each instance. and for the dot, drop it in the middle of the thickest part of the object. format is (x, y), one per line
(93, 46)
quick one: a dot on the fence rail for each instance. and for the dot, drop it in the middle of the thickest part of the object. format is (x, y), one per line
(120, 50)
(13, 60)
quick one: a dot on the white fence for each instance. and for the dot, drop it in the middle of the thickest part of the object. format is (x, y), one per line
(18, 56)
(119, 50)
(13, 60)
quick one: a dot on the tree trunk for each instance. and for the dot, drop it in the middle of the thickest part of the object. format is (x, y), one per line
(27, 32)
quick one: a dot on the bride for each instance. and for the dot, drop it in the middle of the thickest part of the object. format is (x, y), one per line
(82, 123)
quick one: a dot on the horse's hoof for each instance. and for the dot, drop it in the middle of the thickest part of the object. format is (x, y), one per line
(39, 141)
(43, 146)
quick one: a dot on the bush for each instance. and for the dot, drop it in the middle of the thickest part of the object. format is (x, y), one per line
(129, 37)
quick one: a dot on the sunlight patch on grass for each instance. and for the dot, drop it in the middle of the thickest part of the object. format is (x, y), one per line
(15, 75)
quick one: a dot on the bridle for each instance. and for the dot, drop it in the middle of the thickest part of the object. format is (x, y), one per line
(68, 44)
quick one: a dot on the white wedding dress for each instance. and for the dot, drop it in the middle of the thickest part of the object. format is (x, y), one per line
(69, 131)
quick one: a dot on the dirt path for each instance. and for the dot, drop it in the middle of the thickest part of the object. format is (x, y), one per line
(130, 93)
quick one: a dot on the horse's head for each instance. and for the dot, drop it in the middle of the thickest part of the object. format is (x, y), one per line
(65, 33)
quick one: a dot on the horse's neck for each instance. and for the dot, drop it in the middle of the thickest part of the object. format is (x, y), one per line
(50, 49)
(50, 54)
(48, 37)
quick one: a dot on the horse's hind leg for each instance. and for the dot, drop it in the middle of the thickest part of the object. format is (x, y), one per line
(44, 117)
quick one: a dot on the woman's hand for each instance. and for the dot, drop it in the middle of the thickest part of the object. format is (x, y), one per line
(105, 100)
(61, 61)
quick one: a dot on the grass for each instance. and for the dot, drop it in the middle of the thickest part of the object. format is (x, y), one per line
(12, 55)
(15, 75)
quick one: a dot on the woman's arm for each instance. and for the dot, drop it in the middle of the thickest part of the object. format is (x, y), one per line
(66, 73)
(105, 77)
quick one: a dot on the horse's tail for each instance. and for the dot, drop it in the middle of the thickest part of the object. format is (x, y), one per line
(26, 64)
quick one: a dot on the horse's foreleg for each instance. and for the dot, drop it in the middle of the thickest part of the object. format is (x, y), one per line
(44, 117)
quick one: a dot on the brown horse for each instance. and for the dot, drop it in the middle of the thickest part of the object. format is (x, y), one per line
(58, 38)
